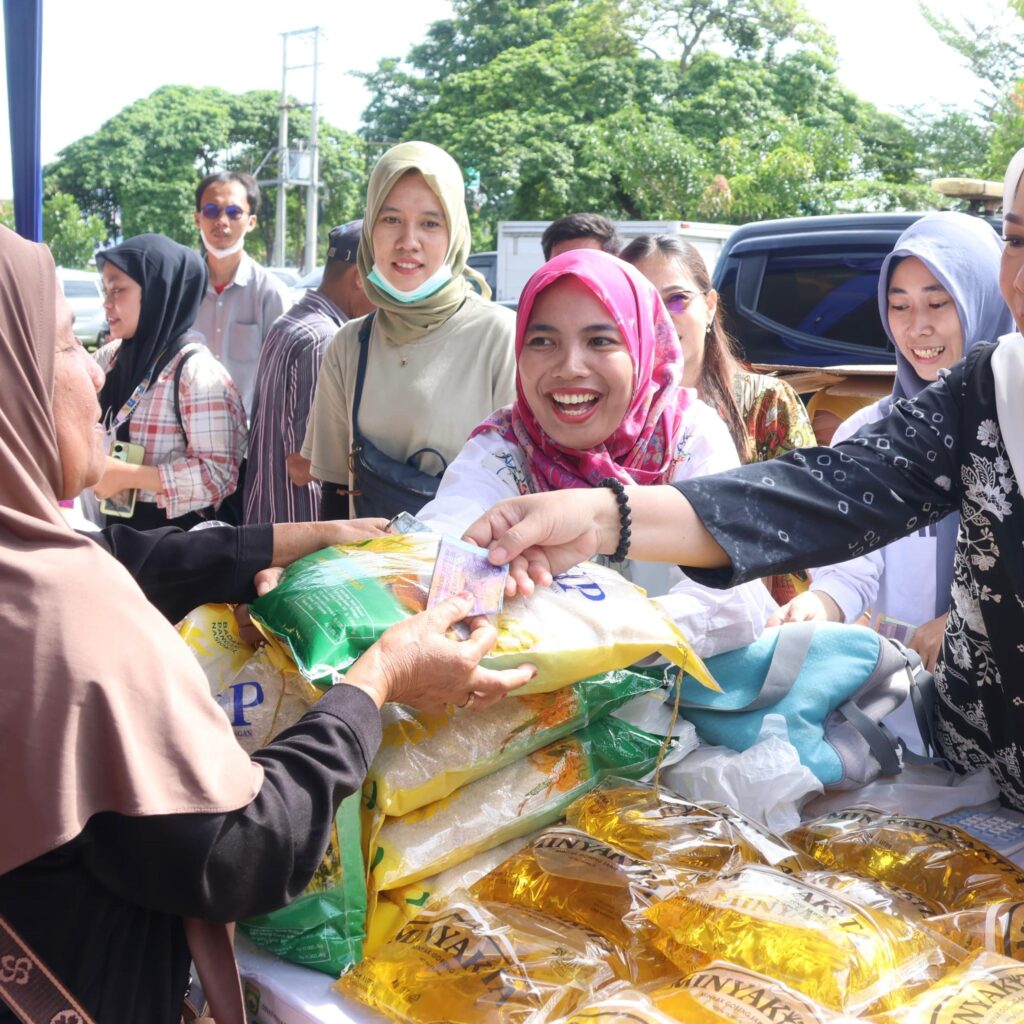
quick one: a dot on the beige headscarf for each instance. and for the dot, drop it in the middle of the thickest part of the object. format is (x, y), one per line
(405, 322)
(102, 708)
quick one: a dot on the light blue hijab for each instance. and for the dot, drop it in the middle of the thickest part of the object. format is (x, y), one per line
(962, 253)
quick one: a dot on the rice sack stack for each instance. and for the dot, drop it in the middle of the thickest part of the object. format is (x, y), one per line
(332, 605)
(262, 694)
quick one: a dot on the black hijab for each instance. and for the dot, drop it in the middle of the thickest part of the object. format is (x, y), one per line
(173, 280)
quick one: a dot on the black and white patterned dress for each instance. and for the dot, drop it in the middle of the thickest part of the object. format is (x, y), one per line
(938, 452)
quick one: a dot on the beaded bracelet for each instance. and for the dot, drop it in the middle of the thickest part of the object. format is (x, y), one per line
(625, 521)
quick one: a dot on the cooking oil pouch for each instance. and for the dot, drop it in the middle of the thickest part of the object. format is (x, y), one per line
(325, 926)
(423, 758)
(932, 859)
(331, 606)
(869, 892)
(467, 961)
(629, 1006)
(722, 993)
(524, 796)
(997, 927)
(259, 688)
(656, 825)
(573, 876)
(986, 989)
(845, 956)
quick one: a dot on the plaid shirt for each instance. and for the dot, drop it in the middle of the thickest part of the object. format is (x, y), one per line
(200, 467)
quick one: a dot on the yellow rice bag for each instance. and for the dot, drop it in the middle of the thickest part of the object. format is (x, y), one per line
(332, 605)
(845, 956)
(524, 796)
(423, 758)
(997, 927)
(259, 688)
(940, 862)
(656, 825)
(568, 874)
(464, 960)
(721, 992)
(987, 989)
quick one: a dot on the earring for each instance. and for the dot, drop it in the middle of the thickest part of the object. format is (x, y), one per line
(707, 330)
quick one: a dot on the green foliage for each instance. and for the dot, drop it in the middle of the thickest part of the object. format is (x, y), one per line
(139, 171)
(72, 237)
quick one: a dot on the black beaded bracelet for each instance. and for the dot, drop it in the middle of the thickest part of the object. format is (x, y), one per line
(625, 520)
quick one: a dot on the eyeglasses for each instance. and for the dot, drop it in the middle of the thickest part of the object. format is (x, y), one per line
(211, 211)
(680, 301)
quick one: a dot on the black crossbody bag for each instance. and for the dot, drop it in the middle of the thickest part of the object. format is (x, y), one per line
(385, 486)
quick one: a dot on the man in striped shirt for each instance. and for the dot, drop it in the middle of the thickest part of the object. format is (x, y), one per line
(278, 486)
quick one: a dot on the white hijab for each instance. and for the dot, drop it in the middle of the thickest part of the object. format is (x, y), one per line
(1008, 358)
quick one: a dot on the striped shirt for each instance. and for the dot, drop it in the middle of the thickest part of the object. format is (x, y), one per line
(285, 383)
(200, 467)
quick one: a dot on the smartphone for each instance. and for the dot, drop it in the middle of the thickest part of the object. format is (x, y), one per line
(123, 502)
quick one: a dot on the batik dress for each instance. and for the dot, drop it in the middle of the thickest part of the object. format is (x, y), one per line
(938, 452)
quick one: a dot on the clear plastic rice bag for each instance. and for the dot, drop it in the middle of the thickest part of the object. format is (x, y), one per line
(331, 606)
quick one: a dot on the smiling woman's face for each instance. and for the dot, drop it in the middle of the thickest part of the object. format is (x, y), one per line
(410, 236)
(575, 369)
(1011, 267)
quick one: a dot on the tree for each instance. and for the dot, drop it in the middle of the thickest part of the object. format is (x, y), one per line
(72, 237)
(139, 171)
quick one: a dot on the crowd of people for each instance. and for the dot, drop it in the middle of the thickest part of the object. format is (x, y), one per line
(611, 416)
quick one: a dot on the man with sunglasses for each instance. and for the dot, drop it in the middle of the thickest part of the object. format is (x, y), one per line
(242, 299)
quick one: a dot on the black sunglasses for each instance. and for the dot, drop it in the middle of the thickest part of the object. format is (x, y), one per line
(211, 211)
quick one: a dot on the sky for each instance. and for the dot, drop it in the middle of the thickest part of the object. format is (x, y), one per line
(99, 57)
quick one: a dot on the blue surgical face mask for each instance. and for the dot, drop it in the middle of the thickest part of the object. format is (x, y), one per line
(434, 283)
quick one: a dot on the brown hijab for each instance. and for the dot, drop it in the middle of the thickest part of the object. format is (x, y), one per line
(102, 708)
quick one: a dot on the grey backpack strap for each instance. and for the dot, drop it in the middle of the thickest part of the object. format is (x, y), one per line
(787, 660)
(883, 745)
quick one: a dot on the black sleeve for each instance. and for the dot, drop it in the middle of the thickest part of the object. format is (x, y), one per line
(334, 501)
(228, 866)
(178, 570)
(819, 506)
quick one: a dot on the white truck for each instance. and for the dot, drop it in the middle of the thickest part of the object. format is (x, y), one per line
(519, 253)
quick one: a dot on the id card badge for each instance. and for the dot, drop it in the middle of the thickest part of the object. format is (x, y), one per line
(896, 629)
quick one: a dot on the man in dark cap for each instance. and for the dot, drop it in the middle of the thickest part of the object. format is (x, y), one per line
(278, 487)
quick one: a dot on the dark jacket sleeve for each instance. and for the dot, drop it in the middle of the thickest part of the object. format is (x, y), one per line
(229, 866)
(819, 506)
(178, 570)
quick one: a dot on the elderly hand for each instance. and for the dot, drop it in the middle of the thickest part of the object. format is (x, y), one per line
(417, 663)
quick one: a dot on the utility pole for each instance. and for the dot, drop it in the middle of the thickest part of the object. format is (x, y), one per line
(281, 218)
(313, 190)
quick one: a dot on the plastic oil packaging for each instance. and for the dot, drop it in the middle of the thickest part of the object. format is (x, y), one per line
(940, 862)
(423, 758)
(987, 989)
(656, 825)
(570, 875)
(847, 957)
(997, 927)
(467, 961)
(524, 796)
(331, 606)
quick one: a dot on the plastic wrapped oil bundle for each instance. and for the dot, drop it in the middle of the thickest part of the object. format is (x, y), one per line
(940, 862)
(423, 758)
(845, 956)
(997, 927)
(656, 825)
(331, 606)
(987, 989)
(467, 961)
(869, 892)
(517, 799)
(627, 1006)
(573, 876)
(721, 992)
(259, 689)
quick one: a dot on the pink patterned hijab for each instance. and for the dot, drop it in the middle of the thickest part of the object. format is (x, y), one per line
(640, 449)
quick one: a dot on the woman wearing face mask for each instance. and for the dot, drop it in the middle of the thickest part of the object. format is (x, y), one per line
(938, 295)
(132, 818)
(955, 446)
(164, 389)
(440, 357)
(598, 395)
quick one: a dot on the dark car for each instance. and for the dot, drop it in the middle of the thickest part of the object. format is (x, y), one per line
(803, 291)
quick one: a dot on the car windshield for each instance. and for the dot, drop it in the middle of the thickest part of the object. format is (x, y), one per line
(81, 290)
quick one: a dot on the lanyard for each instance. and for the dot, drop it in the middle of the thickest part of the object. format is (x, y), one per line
(126, 410)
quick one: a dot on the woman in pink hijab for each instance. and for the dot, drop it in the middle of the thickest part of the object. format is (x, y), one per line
(599, 395)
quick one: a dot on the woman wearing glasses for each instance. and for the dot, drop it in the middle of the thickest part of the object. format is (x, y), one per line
(764, 414)
(599, 394)
(164, 390)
